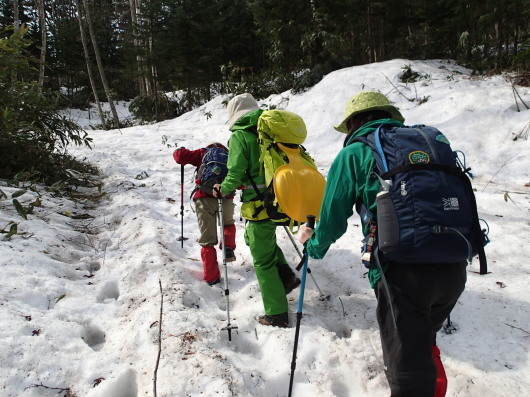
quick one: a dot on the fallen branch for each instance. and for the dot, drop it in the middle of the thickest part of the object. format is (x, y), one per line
(343, 311)
(159, 338)
(524, 132)
(516, 95)
(61, 389)
(397, 89)
(520, 329)
(509, 161)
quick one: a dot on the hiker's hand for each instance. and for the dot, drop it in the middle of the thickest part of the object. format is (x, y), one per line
(217, 192)
(305, 234)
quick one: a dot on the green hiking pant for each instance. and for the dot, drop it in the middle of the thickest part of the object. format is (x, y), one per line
(267, 257)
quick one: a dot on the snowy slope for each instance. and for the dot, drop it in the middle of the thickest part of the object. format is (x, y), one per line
(80, 297)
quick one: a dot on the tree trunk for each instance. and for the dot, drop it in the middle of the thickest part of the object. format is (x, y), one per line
(140, 80)
(143, 44)
(100, 65)
(152, 83)
(88, 67)
(42, 62)
(16, 26)
(16, 20)
(370, 32)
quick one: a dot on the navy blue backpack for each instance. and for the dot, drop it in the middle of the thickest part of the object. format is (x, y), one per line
(426, 209)
(213, 168)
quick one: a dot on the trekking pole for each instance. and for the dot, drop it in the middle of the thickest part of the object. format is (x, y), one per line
(322, 297)
(228, 327)
(310, 224)
(182, 238)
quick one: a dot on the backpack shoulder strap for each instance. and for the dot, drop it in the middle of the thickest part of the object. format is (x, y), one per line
(373, 141)
(259, 193)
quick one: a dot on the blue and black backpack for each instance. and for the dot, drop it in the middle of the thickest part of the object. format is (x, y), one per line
(213, 168)
(426, 208)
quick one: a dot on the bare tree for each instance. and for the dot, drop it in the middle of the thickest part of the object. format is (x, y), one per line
(88, 66)
(16, 22)
(100, 64)
(142, 86)
(42, 62)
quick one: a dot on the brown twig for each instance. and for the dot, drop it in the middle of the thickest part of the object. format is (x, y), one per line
(159, 338)
(509, 161)
(397, 89)
(520, 329)
(524, 132)
(516, 95)
(61, 389)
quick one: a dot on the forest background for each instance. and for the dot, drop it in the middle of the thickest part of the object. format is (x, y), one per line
(167, 57)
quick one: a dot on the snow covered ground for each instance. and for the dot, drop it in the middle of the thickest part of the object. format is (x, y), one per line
(81, 282)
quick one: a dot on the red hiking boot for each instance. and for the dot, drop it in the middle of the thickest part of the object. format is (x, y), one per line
(209, 264)
(441, 378)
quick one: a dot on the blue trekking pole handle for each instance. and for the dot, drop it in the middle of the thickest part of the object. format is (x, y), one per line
(310, 224)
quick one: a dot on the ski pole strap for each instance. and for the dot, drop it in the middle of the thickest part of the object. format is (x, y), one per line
(303, 260)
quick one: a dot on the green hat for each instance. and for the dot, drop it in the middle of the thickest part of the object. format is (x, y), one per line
(364, 102)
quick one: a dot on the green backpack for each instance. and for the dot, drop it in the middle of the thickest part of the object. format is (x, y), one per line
(278, 127)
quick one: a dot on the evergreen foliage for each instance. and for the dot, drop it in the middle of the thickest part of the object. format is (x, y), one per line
(33, 135)
(207, 47)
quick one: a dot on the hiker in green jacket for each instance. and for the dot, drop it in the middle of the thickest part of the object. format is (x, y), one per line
(422, 295)
(276, 279)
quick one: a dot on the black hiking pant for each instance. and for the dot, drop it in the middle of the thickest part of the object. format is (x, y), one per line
(422, 297)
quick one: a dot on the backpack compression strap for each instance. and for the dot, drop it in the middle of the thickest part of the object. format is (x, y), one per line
(417, 167)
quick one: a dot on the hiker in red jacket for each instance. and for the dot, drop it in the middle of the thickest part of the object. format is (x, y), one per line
(207, 208)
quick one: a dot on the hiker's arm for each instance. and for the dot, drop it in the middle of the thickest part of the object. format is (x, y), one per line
(237, 165)
(337, 206)
(184, 156)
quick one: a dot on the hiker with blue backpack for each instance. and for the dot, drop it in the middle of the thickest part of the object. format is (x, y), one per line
(275, 277)
(206, 206)
(416, 283)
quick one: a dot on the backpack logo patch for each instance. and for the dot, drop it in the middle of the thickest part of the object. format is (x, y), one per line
(450, 204)
(419, 157)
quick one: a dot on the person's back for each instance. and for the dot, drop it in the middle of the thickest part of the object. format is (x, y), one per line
(206, 210)
(243, 157)
(275, 277)
(416, 298)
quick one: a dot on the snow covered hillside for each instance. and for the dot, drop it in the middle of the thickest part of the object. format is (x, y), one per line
(80, 291)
